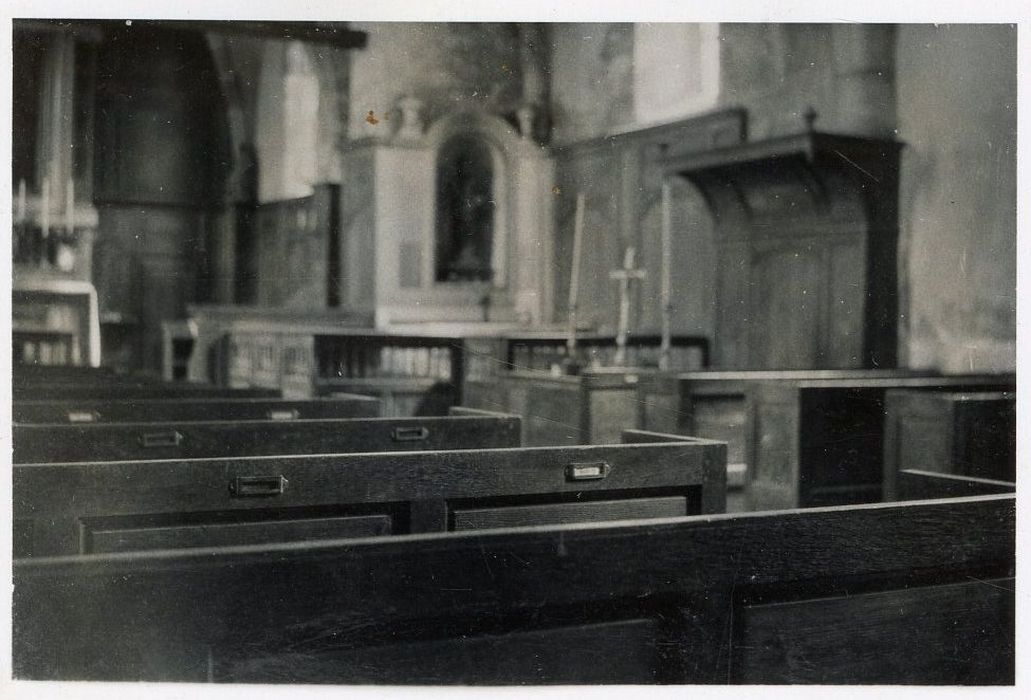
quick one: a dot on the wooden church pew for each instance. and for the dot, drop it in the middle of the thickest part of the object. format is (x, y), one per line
(120, 506)
(911, 593)
(104, 442)
(963, 433)
(28, 373)
(719, 404)
(821, 442)
(123, 390)
(195, 409)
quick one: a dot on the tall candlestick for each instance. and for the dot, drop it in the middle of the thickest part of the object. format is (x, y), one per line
(21, 202)
(574, 278)
(666, 284)
(45, 208)
(69, 208)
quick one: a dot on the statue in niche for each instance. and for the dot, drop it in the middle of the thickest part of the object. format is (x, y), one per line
(465, 211)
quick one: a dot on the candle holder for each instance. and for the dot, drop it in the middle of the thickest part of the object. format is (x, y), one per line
(58, 249)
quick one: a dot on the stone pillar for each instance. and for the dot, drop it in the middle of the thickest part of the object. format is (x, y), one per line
(864, 69)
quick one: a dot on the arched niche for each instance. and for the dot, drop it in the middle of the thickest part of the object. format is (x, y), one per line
(465, 211)
(489, 147)
(406, 179)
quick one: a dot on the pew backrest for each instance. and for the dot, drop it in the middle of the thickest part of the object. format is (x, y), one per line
(196, 409)
(105, 442)
(918, 592)
(915, 484)
(121, 390)
(90, 507)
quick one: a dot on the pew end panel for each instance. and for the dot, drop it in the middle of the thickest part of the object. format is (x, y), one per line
(736, 499)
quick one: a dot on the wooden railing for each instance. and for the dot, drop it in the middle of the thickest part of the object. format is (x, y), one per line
(411, 375)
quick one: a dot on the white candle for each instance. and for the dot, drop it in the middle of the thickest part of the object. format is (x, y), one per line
(574, 279)
(69, 207)
(666, 282)
(21, 201)
(45, 207)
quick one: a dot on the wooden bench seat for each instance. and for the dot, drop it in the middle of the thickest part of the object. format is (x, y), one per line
(918, 592)
(104, 442)
(89, 507)
(195, 409)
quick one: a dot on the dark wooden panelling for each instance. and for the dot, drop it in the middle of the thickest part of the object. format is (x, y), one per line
(555, 513)
(866, 580)
(162, 161)
(127, 538)
(784, 309)
(877, 637)
(621, 180)
(295, 239)
(160, 122)
(807, 237)
(622, 652)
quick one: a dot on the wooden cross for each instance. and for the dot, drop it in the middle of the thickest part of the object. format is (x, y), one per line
(625, 276)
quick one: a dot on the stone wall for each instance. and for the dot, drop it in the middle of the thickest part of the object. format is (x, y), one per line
(947, 92)
(957, 115)
(448, 66)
